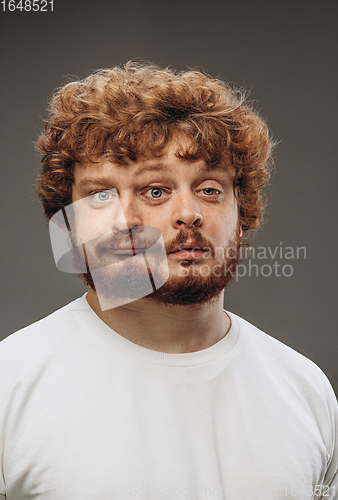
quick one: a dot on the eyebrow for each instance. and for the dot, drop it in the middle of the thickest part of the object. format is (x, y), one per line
(106, 181)
(103, 182)
(216, 166)
(151, 168)
(160, 167)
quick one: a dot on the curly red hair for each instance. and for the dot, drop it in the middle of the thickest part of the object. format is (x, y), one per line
(135, 111)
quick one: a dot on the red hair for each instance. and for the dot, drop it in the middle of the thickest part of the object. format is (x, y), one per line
(135, 111)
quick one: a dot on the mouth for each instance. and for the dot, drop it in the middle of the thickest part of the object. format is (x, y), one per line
(188, 251)
(126, 251)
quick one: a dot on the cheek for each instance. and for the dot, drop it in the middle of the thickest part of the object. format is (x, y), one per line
(224, 232)
(156, 218)
(223, 222)
(89, 226)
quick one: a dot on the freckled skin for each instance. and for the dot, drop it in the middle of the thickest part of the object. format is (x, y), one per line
(173, 195)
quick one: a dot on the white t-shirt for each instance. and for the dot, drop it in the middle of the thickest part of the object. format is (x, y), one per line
(86, 414)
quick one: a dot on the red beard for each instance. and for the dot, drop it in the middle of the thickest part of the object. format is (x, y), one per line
(190, 288)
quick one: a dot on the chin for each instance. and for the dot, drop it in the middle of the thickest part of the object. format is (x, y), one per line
(193, 288)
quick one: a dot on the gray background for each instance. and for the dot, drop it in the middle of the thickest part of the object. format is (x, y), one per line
(284, 52)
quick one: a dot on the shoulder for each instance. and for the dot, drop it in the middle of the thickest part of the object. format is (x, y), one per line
(280, 363)
(281, 374)
(265, 346)
(43, 336)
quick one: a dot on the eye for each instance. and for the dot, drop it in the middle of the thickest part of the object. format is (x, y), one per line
(102, 196)
(210, 191)
(155, 192)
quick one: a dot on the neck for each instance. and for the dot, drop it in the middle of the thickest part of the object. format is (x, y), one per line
(170, 329)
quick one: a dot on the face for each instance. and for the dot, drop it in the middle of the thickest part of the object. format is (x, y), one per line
(192, 206)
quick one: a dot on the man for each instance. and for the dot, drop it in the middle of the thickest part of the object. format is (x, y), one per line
(145, 387)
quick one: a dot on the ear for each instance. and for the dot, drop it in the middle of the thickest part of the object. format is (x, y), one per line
(241, 231)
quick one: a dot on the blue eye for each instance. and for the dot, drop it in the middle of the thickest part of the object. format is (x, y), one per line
(102, 196)
(156, 192)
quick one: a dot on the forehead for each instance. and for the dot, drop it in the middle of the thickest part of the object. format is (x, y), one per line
(176, 169)
(170, 163)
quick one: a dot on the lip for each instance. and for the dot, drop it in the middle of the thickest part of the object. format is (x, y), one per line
(126, 251)
(188, 251)
(188, 245)
(188, 254)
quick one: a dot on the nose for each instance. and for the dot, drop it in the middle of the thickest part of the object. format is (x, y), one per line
(126, 218)
(187, 212)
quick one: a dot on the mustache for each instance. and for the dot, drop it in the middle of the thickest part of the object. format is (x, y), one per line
(185, 235)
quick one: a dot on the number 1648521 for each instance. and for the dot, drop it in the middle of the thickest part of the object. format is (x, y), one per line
(27, 5)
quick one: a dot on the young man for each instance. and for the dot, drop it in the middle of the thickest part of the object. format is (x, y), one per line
(145, 387)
